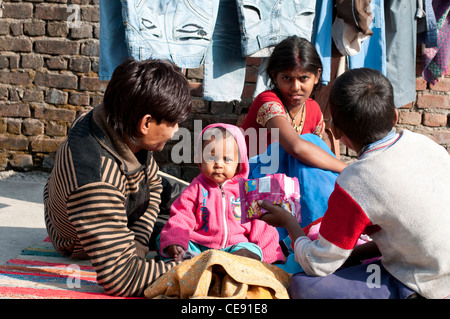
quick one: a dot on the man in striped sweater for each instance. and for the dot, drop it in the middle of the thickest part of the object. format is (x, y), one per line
(102, 197)
(397, 193)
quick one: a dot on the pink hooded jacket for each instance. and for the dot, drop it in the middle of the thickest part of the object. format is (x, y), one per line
(209, 214)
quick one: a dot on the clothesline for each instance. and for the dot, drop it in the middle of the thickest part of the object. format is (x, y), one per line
(379, 34)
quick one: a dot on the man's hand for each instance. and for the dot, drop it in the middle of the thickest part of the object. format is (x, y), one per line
(279, 217)
(176, 252)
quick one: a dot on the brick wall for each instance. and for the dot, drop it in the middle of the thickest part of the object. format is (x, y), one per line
(49, 75)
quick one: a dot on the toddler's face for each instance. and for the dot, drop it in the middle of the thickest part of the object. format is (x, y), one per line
(220, 159)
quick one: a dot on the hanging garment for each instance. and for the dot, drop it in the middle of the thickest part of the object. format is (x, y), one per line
(351, 26)
(356, 13)
(113, 48)
(225, 66)
(261, 26)
(391, 49)
(401, 48)
(322, 36)
(373, 50)
(426, 24)
(266, 23)
(179, 31)
(436, 59)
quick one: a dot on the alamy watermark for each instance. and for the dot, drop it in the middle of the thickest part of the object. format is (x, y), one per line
(74, 278)
(374, 279)
(74, 19)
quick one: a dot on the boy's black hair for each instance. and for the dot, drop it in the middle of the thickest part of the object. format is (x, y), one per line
(362, 105)
(292, 52)
(137, 88)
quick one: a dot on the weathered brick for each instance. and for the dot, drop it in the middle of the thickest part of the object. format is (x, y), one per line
(3, 125)
(14, 143)
(221, 108)
(90, 14)
(15, 44)
(96, 100)
(83, 32)
(35, 28)
(54, 114)
(31, 95)
(32, 61)
(22, 162)
(60, 81)
(57, 63)
(60, 47)
(16, 29)
(196, 89)
(57, 29)
(56, 129)
(32, 127)
(94, 65)
(56, 97)
(76, 98)
(51, 12)
(81, 2)
(15, 78)
(3, 94)
(442, 85)
(248, 90)
(433, 101)
(15, 94)
(90, 49)
(14, 61)
(17, 10)
(15, 110)
(199, 105)
(434, 120)
(4, 27)
(251, 74)
(411, 118)
(14, 126)
(80, 64)
(46, 145)
(92, 84)
(4, 62)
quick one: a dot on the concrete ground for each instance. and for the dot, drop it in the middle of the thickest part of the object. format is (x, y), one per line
(21, 212)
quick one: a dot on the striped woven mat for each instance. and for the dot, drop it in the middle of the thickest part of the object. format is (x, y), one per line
(39, 272)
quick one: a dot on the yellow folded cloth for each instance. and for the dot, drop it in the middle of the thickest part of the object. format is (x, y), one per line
(217, 274)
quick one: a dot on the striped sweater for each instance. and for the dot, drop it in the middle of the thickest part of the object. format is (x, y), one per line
(101, 202)
(398, 193)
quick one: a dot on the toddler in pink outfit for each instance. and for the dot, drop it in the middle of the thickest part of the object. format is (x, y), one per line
(207, 214)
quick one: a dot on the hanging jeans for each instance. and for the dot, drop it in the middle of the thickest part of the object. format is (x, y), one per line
(266, 23)
(225, 66)
(322, 36)
(113, 48)
(179, 31)
(258, 26)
